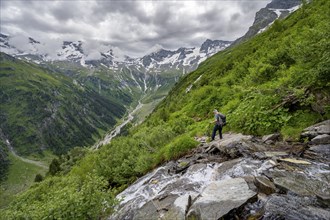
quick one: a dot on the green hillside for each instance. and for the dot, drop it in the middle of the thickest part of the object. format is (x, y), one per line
(42, 109)
(279, 81)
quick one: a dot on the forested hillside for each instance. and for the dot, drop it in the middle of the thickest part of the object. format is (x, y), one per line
(43, 109)
(278, 81)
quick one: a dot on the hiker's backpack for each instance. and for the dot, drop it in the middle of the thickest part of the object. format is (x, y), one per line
(223, 118)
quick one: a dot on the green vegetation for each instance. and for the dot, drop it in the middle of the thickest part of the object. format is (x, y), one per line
(4, 161)
(20, 177)
(277, 81)
(41, 109)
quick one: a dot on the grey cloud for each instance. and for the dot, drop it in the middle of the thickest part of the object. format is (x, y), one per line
(133, 26)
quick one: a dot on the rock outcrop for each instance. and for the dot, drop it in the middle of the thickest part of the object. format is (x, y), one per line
(239, 177)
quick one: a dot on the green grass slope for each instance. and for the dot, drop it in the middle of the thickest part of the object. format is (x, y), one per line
(277, 81)
(41, 109)
(20, 177)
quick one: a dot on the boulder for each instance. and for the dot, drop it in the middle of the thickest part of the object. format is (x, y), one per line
(318, 152)
(293, 207)
(317, 129)
(220, 197)
(321, 128)
(302, 185)
(321, 139)
(157, 208)
(271, 137)
(264, 185)
(234, 139)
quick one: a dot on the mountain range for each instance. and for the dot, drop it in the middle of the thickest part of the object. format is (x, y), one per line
(116, 77)
(74, 51)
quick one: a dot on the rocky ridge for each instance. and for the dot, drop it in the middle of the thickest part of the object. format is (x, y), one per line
(265, 17)
(239, 177)
(74, 51)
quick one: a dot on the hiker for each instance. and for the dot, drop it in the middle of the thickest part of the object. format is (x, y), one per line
(218, 121)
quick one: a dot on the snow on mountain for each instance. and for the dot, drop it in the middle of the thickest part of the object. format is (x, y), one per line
(5, 46)
(183, 57)
(265, 17)
(71, 51)
(157, 59)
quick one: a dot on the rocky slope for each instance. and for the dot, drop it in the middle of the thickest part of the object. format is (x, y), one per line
(265, 17)
(239, 177)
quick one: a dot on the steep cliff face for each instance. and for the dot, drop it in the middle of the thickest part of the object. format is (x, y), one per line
(277, 9)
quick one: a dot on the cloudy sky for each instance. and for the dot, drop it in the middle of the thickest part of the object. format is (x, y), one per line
(133, 26)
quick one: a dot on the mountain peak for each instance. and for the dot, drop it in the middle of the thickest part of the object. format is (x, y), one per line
(283, 4)
(209, 46)
(277, 9)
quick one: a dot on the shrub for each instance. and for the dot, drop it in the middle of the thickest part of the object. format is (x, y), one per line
(178, 147)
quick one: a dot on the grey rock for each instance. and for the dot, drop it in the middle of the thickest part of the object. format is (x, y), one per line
(269, 142)
(265, 185)
(319, 126)
(275, 153)
(271, 137)
(293, 207)
(260, 155)
(155, 209)
(317, 129)
(234, 148)
(283, 4)
(309, 134)
(318, 152)
(321, 139)
(301, 185)
(219, 198)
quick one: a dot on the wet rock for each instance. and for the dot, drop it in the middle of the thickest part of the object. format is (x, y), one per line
(275, 153)
(309, 134)
(220, 180)
(295, 161)
(321, 139)
(271, 137)
(155, 209)
(182, 165)
(293, 207)
(315, 130)
(318, 152)
(225, 167)
(219, 198)
(321, 128)
(235, 139)
(264, 185)
(260, 155)
(180, 185)
(300, 184)
(185, 201)
(298, 149)
(250, 180)
(324, 200)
